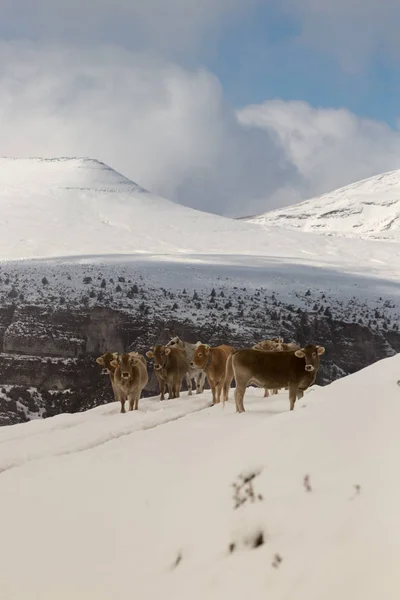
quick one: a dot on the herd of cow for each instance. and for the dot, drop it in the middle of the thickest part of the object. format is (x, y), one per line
(269, 364)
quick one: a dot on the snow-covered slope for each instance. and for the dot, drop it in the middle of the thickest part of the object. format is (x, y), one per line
(101, 505)
(75, 206)
(81, 209)
(368, 209)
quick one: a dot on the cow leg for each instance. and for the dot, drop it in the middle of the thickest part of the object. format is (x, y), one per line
(227, 387)
(201, 379)
(274, 392)
(300, 394)
(219, 388)
(136, 403)
(131, 399)
(177, 387)
(162, 390)
(213, 390)
(292, 395)
(189, 384)
(239, 395)
(122, 400)
(266, 393)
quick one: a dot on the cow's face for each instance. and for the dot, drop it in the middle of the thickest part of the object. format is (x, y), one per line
(200, 356)
(106, 360)
(125, 364)
(175, 342)
(311, 354)
(159, 354)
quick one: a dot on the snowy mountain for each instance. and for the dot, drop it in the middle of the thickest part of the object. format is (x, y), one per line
(367, 209)
(101, 505)
(73, 208)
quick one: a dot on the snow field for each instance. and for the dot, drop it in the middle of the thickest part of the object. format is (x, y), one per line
(104, 505)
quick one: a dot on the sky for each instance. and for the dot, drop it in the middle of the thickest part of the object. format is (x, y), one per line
(230, 106)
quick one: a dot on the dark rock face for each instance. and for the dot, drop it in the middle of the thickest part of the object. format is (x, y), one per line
(50, 337)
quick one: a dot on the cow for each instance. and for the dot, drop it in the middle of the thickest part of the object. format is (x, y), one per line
(213, 362)
(296, 369)
(194, 372)
(130, 378)
(275, 345)
(105, 361)
(171, 365)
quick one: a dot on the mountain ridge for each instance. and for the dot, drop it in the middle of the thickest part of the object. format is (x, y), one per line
(369, 209)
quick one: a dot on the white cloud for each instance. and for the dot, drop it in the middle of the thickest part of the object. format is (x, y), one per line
(165, 127)
(163, 26)
(169, 129)
(329, 147)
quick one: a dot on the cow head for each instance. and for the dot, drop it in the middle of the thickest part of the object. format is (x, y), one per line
(200, 356)
(175, 341)
(125, 362)
(269, 345)
(311, 354)
(106, 361)
(159, 354)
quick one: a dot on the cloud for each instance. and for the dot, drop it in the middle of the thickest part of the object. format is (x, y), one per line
(329, 147)
(165, 127)
(156, 26)
(170, 129)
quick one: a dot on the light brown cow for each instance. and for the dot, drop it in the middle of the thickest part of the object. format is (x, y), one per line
(130, 378)
(105, 361)
(170, 365)
(296, 369)
(213, 363)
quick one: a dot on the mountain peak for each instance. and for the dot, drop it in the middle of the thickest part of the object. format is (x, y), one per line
(62, 172)
(369, 208)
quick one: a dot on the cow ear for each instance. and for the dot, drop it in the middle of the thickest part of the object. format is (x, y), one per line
(198, 344)
(133, 354)
(150, 354)
(100, 360)
(206, 349)
(115, 355)
(320, 349)
(114, 363)
(167, 351)
(299, 354)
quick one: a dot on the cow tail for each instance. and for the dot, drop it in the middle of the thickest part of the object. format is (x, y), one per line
(228, 374)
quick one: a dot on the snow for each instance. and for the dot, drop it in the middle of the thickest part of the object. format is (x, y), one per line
(81, 210)
(367, 209)
(102, 505)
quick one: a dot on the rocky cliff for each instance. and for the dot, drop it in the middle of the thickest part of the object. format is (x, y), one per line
(56, 319)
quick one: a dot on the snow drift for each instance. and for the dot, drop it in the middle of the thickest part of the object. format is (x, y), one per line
(368, 209)
(102, 505)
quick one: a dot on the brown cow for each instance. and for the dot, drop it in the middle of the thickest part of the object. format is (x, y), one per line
(296, 369)
(170, 365)
(213, 363)
(105, 361)
(275, 345)
(130, 378)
